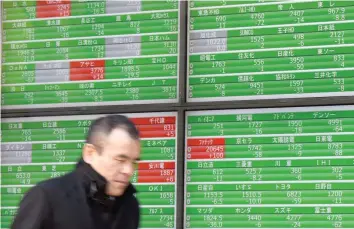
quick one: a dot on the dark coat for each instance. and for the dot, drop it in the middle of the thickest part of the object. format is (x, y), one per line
(72, 201)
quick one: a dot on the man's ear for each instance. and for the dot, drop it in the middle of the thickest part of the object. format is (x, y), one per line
(88, 152)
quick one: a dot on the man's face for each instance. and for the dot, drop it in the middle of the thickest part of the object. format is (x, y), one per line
(117, 161)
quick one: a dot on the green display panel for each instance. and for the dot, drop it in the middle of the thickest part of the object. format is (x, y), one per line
(264, 49)
(270, 168)
(40, 148)
(70, 53)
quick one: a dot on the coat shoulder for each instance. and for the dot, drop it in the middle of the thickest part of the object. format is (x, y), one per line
(58, 184)
(36, 209)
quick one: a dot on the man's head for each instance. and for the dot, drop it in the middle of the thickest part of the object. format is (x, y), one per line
(112, 149)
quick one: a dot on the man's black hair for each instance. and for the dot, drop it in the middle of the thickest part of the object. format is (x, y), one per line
(102, 127)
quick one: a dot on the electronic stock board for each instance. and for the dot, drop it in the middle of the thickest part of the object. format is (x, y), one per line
(35, 149)
(270, 168)
(264, 49)
(89, 52)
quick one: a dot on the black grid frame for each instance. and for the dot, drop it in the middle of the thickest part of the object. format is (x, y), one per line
(181, 107)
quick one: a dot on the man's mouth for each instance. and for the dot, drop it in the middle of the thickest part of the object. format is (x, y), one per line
(120, 182)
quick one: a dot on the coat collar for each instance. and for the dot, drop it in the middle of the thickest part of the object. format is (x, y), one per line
(94, 184)
(88, 185)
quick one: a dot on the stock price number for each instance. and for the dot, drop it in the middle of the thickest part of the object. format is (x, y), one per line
(24, 178)
(215, 224)
(336, 219)
(213, 195)
(295, 220)
(253, 197)
(295, 196)
(59, 155)
(336, 195)
(336, 148)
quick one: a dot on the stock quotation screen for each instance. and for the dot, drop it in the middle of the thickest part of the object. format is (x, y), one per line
(270, 168)
(86, 53)
(36, 149)
(247, 50)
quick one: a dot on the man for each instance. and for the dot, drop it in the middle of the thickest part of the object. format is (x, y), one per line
(97, 194)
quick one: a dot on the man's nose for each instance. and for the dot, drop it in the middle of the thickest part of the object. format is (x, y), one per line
(128, 169)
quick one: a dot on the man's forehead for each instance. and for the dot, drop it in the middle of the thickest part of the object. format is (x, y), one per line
(122, 143)
(119, 133)
(119, 136)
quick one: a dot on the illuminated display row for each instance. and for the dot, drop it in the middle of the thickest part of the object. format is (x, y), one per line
(36, 149)
(15, 10)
